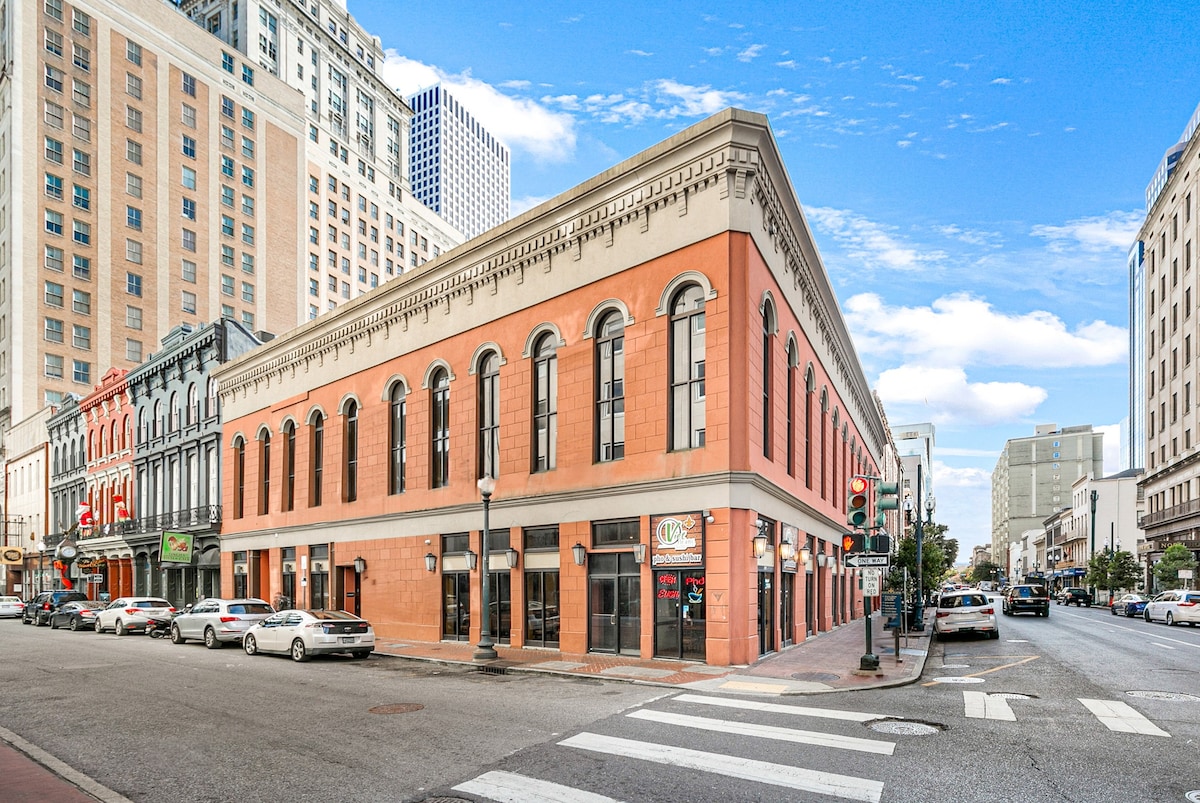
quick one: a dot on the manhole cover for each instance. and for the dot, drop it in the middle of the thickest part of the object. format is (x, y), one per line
(957, 679)
(815, 676)
(1164, 695)
(902, 728)
(1193, 796)
(956, 666)
(396, 708)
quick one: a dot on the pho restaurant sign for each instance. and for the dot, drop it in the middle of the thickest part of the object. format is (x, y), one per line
(176, 548)
(676, 541)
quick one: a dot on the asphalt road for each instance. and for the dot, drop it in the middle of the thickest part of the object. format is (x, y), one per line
(1029, 717)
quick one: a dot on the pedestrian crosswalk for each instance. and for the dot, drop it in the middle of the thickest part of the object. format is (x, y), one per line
(667, 733)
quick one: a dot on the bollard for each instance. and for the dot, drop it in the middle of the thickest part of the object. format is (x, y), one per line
(896, 641)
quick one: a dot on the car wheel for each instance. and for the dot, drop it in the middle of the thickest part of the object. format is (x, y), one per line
(119, 628)
(53, 623)
(37, 621)
(74, 625)
(1170, 619)
(1087, 604)
(250, 645)
(360, 653)
(299, 651)
(98, 628)
(1146, 615)
(995, 634)
(176, 636)
(210, 639)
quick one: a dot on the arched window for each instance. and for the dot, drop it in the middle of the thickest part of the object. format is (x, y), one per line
(824, 438)
(316, 459)
(810, 390)
(173, 412)
(792, 371)
(264, 473)
(239, 477)
(610, 388)
(768, 329)
(114, 442)
(193, 404)
(289, 466)
(158, 424)
(397, 424)
(439, 397)
(350, 452)
(489, 415)
(545, 403)
(142, 433)
(687, 368)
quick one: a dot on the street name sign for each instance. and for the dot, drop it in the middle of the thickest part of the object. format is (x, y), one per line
(860, 559)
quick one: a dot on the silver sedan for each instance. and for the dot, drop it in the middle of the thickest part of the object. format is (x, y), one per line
(303, 634)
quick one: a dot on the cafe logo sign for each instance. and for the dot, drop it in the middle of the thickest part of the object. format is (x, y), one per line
(678, 541)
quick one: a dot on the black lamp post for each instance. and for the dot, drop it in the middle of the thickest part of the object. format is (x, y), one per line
(485, 650)
(1092, 552)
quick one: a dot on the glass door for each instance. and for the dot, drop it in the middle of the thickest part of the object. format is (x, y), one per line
(787, 607)
(500, 602)
(614, 603)
(541, 608)
(679, 619)
(766, 612)
(456, 606)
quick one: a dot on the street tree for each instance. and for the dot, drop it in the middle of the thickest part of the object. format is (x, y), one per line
(983, 570)
(1124, 571)
(1098, 570)
(1176, 557)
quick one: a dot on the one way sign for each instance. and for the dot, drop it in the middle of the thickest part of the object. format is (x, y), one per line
(857, 561)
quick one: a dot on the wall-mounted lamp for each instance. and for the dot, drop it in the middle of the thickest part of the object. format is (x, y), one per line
(472, 560)
(787, 550)
(360, 565)
(239, 569)
(580, 553)
(822, 558)
(760, 539)
(805, 555)
(639, 553)
(708, 516)
(430, 562)
(512, 556)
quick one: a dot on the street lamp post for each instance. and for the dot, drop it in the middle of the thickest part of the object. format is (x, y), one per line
(41, 547)
(485, 650)
(1092, 551)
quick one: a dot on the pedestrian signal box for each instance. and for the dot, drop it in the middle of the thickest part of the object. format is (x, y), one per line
(854, 542)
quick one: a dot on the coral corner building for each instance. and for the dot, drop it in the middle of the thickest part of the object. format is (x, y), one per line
(653, 368)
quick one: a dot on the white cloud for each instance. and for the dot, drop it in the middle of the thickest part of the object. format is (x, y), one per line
(522, 124)
(639, 52)
(869, 243)
(790, 64)
(692, 101)
(949, 476)
(962, 330)
(1112, 446)
(750, 53)
(904, 143)
(1114, 231)
(946, 395)
(520, 205)
(1001, 81)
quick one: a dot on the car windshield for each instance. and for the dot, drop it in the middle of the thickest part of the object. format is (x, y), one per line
(151, 603)
(331, 615)
(10, 599)
(963, 601)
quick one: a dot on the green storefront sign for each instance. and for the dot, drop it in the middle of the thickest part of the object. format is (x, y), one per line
(176, 548)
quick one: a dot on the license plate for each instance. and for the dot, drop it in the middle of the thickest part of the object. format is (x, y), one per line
(347, 639)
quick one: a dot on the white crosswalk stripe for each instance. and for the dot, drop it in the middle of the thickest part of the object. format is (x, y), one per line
(1121, 717)
(778, 708)
(980, 705)
(508, 787)
(847, 787)
(767, 732)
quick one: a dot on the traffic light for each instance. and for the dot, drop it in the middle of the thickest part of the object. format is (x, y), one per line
(854, 542)
(887, 497)
(856, 502)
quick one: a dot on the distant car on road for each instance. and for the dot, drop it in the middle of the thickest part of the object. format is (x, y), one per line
(37, 610)
(129, 614)
(1130, 605)
(219, 621)
(11, 607)
(965, 611)
(1073, 595)
(77, 615)
(1026, 598)
(1174, 606)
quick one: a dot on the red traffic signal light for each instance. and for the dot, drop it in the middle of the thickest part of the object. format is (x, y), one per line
(856, 501)
(854, 542)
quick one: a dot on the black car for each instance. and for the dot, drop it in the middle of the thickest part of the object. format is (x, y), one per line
(37, 610)
(1026, 598)
(1074, 596)
(77, 615)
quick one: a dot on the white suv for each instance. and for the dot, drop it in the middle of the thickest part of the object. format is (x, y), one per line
(129, 614)
(219, 621)
(1174, 606)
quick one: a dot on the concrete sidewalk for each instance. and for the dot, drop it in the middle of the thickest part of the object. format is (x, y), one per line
(828, 662)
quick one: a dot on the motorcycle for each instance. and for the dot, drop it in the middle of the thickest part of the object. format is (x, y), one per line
(159, 626)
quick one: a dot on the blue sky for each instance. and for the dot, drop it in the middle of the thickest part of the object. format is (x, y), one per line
(973, 179)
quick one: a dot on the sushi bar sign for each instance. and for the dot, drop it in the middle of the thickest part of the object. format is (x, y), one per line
(677, 541)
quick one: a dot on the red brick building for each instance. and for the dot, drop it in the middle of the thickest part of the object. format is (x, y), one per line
(654, 369)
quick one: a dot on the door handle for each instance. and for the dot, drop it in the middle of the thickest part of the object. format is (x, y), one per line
(612, 620)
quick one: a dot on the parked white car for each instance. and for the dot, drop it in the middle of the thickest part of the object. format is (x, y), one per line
(965, 611)
(11, 607)
(303, 634)
(1174, 606)
(129, 614)
(219, 621)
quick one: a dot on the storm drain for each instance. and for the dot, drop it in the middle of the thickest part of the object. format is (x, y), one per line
(396, 708)
(1164, 695)
(1012, 695)
(958, 679)
(494, 669)
(905, 727)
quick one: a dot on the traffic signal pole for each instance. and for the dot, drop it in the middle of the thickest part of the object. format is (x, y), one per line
(858, 517)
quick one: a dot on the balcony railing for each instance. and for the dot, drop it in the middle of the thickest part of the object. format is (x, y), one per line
(1188, 508)
(208, 516)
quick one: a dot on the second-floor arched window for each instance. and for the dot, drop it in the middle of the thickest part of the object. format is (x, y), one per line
(610, 388)
(489, 415)
(545, 403)
(687, 344)
(316, 459)
(397, 424)
(439, 397)
(350, 452)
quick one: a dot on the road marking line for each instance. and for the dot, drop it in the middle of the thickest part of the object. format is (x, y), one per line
(741, 685)
(981, 705)
(508, 787)
(1142, 633)
(1122, 717)
(1024, 660)
(826, 783)
(779, 708)
(1164, 646)
(767, 732)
